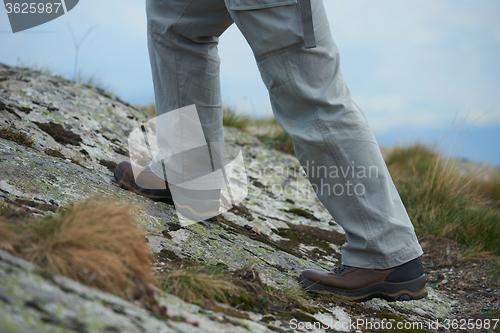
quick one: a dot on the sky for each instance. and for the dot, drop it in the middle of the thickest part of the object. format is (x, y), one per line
(421, 70)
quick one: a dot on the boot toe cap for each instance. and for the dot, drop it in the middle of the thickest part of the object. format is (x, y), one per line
(124, 169)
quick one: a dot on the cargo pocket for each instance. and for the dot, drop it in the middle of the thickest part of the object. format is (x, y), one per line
(258, 4)
(303, 15)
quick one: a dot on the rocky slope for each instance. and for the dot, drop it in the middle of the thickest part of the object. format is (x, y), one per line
(79, 133)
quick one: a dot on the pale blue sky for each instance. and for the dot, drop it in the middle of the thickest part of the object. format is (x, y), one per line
(417, 68)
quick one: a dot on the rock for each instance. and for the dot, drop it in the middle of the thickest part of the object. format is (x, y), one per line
(29, 302)
(79, 133)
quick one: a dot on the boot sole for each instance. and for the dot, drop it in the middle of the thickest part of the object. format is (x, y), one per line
(155, 195)
(390, 291)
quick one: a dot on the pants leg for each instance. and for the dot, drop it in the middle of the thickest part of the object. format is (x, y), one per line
(332, 139)
(182, 41)
(310, 100)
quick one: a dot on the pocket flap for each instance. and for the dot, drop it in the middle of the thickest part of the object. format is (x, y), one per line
(258, 4)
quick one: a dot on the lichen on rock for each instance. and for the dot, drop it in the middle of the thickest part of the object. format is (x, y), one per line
(79, 134)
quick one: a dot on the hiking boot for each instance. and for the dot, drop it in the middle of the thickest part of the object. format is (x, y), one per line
(402, 283)
(146, 183)
(150, 186)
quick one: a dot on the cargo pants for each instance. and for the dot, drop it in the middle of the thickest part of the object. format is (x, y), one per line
(310, 100)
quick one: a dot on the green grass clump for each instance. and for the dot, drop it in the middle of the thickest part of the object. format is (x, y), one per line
(199, 283)
(443, 202)
(149, 109)
(231, 118)
(54, 153)
(281, 141)
(241, 289)
(236, 120)
(269, 131)
(10, 133)
(490, 188)
(7, 209)
(302, 212)
(111, 165)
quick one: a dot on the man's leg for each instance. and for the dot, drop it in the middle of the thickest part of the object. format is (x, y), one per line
(331, 136)
(182, 40)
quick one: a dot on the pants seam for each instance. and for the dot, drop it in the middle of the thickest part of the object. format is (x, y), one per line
(176, 51)
(279, 51)
(242, 29)
(264, 6)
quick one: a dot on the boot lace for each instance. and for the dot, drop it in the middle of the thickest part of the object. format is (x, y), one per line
(339, 269)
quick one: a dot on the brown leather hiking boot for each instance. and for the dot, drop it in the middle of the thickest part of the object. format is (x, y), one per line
(146, 184)
(402, 283)
(149, 185)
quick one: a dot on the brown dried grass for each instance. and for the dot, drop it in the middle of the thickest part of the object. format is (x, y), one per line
(96, 243)
(7, 238)
(443, 202)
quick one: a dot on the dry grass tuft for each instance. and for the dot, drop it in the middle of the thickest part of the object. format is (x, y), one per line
(94, 242)
(148, 109)
(234, 119)
(443, 202)
(489, 187)
(7, 238)
(269, 131)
